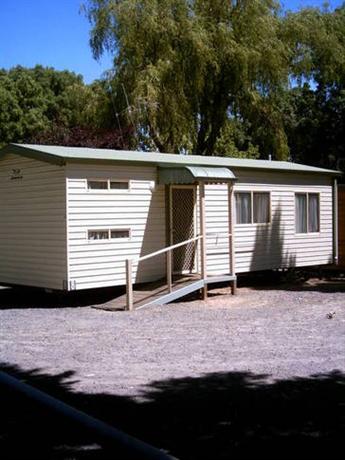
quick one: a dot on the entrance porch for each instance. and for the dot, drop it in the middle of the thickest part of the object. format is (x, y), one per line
(187, 238)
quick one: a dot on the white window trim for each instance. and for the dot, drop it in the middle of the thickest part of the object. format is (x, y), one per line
(307, 233)
(252, 223)
(108, 189)
(109, 239)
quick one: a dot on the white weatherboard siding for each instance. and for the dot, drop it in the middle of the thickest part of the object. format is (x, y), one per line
(44, 243)
(141, 209)
(217, 228)
(32, 223)
(273, 245)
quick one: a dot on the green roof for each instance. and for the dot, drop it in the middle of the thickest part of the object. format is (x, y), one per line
(191, 174)
(61, 155)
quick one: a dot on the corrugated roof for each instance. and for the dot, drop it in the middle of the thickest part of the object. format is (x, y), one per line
(62, 154)
(191, 174)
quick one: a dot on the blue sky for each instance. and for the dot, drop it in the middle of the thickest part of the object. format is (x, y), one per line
(54, 33)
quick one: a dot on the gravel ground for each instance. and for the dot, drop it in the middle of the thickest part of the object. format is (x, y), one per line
(277, 332)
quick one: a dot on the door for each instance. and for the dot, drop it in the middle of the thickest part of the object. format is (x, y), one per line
(182, 225)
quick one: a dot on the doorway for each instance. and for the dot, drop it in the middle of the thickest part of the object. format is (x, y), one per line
(182, 227)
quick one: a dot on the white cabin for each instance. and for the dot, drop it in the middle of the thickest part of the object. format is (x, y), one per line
(70, 218)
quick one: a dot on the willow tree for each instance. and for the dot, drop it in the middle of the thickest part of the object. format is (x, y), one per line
(185, 69)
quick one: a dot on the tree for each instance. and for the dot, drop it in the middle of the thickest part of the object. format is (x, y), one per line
(315, 123)
(43, 105)
(189, 66)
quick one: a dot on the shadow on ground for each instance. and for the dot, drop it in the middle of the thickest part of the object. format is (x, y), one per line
(321, 280)
(216, 416)
(313, 279)
(15, 298)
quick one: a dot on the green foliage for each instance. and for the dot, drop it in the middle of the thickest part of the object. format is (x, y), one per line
(235, 142)
(236, 78)
(315, 121)
(187, 65)
(30, 99)
(317, 45)
(316, 126)
(36, 103)
(185, 70)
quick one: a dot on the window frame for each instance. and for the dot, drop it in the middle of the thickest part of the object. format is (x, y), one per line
(108, 189)
(308, 233)
(252, 192)
(109, 239)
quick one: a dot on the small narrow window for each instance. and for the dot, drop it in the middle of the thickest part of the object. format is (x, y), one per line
(98, 234)
(307, 212)
(97, 184)
(243, 208)
(313, 213)
(106, 234)
(261, 207)
(123, 233)
(301, 212)
(119, 185)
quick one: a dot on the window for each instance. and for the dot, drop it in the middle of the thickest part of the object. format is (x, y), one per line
(107, 184)
(307, 212)
(243, 208)
(97, 184)
(116, 185)
(252, 207)
(261, 207)
(106, 234)
(119, 233)
(98, 234)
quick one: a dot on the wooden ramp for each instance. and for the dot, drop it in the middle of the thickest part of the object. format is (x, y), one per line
(157, 293)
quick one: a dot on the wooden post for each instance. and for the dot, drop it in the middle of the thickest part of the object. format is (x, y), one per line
(169, 271)
(231, 236)
(203, 235)
(129, 285)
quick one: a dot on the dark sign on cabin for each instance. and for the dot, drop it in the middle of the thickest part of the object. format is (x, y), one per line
(16, 174)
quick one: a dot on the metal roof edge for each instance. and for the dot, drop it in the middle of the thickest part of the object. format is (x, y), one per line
(32, 153)
(167, 164)
(158, 163)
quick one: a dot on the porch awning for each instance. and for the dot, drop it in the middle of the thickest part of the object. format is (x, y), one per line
(192, 174)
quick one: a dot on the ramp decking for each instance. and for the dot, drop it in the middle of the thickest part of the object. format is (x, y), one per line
(157, 293)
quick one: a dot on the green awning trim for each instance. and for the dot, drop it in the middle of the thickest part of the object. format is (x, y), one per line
(193, 174)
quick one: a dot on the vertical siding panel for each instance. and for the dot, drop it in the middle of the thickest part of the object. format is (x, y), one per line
(217, 228)
(32, 223)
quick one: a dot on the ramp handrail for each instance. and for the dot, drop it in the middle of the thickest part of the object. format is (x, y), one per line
(168, 250)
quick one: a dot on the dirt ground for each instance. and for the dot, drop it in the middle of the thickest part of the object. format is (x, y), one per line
(281, 331)
(260, 374)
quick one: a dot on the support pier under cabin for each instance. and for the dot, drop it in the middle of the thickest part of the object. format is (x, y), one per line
(79, 218)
